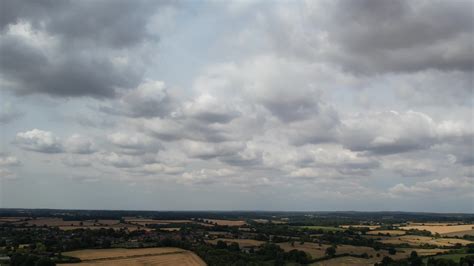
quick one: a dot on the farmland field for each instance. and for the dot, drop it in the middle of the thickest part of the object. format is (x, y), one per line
(442, 228)
(346, 260)
(324, 228)
(313, 249)
(384, 232)
(371, 227)
(136, 257)
(242, 242)
(226, 222)
(420, 240)
(454, 257)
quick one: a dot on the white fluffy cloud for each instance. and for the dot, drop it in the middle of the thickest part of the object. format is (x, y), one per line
(439, 187)
(39, 141)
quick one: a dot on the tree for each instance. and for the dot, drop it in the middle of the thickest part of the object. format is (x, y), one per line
(392, 251)
(221, 244)
(386, 261)
(414, 259)
(234, 247)
(331, 251)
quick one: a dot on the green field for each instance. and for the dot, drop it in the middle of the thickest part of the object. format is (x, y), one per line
(455, 257)
(318, 227)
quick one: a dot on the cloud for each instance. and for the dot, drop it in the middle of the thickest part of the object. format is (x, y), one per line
(75, 49)
(208, 109)
(402, 36)
(6, 174)
(372, 37)
(118, 160)
(77, 161)
(104, 25)
(203, 150)
(461, 186)
(34, 64)
(8, 160)
(79, 144)
(39, 141)
(206, 176)
(134, 144)
(389, 132)
(84, 178)
(8, 113)
(149, 99)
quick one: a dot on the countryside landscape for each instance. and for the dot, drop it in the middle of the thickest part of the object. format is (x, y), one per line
(236, 132)
(82, 237)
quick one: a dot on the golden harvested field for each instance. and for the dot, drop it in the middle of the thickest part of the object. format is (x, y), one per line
(420, 240)
(313, 249)
(11, 219)
(242, 242)
(226, 222)
(440, 228)
(390, 232)
(137, 257)
(346, 260)
(460, 233)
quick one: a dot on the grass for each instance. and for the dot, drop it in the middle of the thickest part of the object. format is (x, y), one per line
(454, 257)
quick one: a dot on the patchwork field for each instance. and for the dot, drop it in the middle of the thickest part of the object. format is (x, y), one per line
(144, 222)
(414, 240)
(10, 219)
(371, 227)
(242, 242)
(72, 225)
(55, 222)
(401, 254)
(226, 222)
(318, 251)
(384, 232)
(442, 228)
(346, 260)
(136, 257)
(313, 249)
(265, 221)
(460, 233)
(454, 257)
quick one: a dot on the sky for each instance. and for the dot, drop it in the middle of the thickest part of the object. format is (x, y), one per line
(324, 105)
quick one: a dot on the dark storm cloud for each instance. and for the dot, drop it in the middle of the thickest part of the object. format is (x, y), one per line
(118, 23)
(71, 74)
(403, 36)
(90, 48)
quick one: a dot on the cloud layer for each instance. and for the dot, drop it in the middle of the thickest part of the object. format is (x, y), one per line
(337, 100)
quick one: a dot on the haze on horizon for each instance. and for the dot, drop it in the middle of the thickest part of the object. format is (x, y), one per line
(237, 105)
